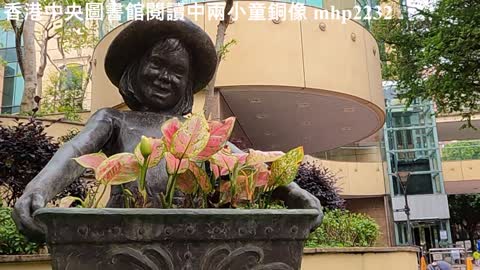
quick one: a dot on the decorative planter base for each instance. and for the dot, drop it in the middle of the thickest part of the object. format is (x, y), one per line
(176, 239)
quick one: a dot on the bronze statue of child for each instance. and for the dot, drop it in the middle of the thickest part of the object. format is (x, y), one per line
(157, 66)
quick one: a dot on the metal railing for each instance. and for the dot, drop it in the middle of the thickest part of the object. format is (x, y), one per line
(457, 257)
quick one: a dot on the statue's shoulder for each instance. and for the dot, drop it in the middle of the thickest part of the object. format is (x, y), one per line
(105, 114)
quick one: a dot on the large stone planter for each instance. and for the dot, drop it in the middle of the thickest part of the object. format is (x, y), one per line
(176, 239)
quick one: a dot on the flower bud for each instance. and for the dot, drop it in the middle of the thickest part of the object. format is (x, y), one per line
(145, 147)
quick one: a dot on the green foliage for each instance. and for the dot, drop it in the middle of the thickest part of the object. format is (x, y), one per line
(465, 212)
(435, 54)
(341, 228)
(225, 49)
(67, 137)
(11, 241)
(65, 93)
(461, 150)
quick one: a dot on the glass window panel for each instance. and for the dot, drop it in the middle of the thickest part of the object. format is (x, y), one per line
(15, 109)
(10, 55)
(7, 97)
(3, 39)
(18, 92)
(10, 70)
(315, 3)
(10, 39)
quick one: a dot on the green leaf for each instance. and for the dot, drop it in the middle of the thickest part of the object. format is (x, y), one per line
(284, 169)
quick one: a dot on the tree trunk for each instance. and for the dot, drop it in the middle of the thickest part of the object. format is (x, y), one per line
(29, 67)
(471, 237)
(43, 44)
(209, 108)
(43, 65)
(87, 81)
(18, 30)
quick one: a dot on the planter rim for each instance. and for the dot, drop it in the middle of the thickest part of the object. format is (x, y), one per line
(180, 211)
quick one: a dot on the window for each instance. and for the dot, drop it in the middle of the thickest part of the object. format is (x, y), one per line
(12, 88)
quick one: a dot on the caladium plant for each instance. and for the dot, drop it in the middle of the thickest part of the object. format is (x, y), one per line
(201, 164)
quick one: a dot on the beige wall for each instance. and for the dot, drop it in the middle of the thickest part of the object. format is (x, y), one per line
(461, 170)
(26, 266)
(25, 262)
(55, 130)
(293, 54)
(368, 259)
(356, 178)
(320, 259)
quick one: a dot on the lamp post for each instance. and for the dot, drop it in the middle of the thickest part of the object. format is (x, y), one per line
(403, 176)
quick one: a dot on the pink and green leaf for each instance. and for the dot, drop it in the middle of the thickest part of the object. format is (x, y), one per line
(169, 128)
(191, 138)
(118, 169)
(242, 158)
(66, 202)
(219, 134)
(261, 178)
(201, 177)
(224, 160)
(175, 165)
(156, 155)
(256, 157)
(244, 189)
(284, 170)
(217, 171)
(186, 182)
(91, 161)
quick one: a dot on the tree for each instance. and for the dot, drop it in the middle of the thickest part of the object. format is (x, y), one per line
(70, 33)
(65, 92)
(210, 102)
(321, 183)
(29, 65)
(465, 213)
(435, 54)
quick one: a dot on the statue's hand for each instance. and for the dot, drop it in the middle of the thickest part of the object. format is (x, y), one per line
(22, 215)
(295, 197)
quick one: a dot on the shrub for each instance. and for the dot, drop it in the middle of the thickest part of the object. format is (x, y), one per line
(67, 137)
(11, 241)
(321, 183)
(341, 228)
(25, 150)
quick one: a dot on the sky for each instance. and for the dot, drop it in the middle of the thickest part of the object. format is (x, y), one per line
(420, 4)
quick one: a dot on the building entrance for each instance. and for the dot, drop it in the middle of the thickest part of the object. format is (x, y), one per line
(425, 234)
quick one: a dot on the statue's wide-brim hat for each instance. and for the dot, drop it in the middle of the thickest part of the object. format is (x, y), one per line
(139, 36)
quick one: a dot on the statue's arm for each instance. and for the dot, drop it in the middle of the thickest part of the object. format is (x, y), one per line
(293, 196)
(61, 170)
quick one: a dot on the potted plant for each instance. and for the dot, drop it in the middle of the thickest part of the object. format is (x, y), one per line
(225, 219)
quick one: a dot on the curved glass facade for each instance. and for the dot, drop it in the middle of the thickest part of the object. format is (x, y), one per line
(12, 78)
